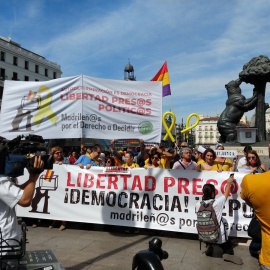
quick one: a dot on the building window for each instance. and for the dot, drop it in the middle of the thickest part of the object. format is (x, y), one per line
(54, 75)
(36, 80)
(3, 56)
(46, 72)
(1, 92)
(26, 65)
(37, 69)
(15, 61)
(26, 78)
(2, 74)
(15, 76)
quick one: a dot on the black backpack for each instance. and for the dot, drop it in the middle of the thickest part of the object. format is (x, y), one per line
(207, 224)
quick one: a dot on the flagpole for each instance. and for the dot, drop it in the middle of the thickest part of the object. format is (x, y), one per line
(174, 123)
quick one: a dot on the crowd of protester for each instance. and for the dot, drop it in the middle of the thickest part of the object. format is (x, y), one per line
(180, 157)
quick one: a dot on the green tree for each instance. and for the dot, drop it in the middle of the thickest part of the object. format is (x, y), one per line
(257, 72)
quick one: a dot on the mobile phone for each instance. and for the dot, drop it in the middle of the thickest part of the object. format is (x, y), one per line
(232, 175)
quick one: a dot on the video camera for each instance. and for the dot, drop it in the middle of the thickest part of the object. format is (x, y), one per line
(15, 155)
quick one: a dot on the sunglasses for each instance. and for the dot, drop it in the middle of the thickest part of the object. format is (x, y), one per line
(58, 153)
(253, 157)
(108, 161)
(155, 158)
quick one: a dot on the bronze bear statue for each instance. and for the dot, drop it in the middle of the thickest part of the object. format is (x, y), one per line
(236, 106)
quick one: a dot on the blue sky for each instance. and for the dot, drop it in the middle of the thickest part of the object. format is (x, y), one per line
(205, 43)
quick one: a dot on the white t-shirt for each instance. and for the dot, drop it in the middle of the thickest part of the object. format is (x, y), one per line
(218, 206)
(242, 161)
(10, 194)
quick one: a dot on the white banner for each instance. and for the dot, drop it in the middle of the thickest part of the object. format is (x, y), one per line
(82, 107)
(148, 198)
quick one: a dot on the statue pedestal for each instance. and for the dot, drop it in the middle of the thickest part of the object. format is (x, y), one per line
(246, 135)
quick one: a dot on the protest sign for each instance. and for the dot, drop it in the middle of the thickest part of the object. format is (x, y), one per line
(123, 143)
(226, 153)
(82, 107)
(147, 198)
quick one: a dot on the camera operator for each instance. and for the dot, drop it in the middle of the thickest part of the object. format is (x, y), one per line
(11, 195)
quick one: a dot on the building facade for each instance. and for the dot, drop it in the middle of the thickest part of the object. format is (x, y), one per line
(19, 64)
(206, 132)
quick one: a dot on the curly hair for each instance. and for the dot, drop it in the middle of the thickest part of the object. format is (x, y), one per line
(111, 159)
(55, 149)
(207, 151)
(152, 155)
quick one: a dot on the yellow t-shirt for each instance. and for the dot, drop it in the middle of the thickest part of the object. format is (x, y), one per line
(215, 167)
(164, 161)
(145, 166)
(133, 165)
(255, 191)
(226, 165)
(200, 162)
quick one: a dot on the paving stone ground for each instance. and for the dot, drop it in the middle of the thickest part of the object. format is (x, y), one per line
(108, 247)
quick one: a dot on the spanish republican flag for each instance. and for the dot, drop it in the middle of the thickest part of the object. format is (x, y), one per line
(163, 75)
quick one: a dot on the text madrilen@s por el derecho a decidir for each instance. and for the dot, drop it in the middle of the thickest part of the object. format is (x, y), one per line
(98, 126)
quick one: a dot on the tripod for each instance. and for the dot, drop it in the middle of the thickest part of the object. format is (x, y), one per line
(12, 249)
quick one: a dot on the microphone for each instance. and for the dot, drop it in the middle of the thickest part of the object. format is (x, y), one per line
(253, 163)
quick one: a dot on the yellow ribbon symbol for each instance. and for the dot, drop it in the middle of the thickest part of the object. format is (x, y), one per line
(187, 127)
(45, 109)
(168, 134)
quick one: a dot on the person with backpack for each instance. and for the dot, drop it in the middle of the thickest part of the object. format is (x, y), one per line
(210, 224)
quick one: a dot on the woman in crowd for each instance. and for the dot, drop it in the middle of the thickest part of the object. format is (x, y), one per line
(254, 162)
(129, 156)
(73, 158)
(109, 162)
(198, 156)
(165, 156)
(209, 164)
(154, 161)
(57, 155)
(225, 163)
(58, 158)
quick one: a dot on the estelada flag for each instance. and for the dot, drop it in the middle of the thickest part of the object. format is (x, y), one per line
(163, 76)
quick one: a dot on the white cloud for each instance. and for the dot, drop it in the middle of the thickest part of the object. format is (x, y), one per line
(205, 44)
